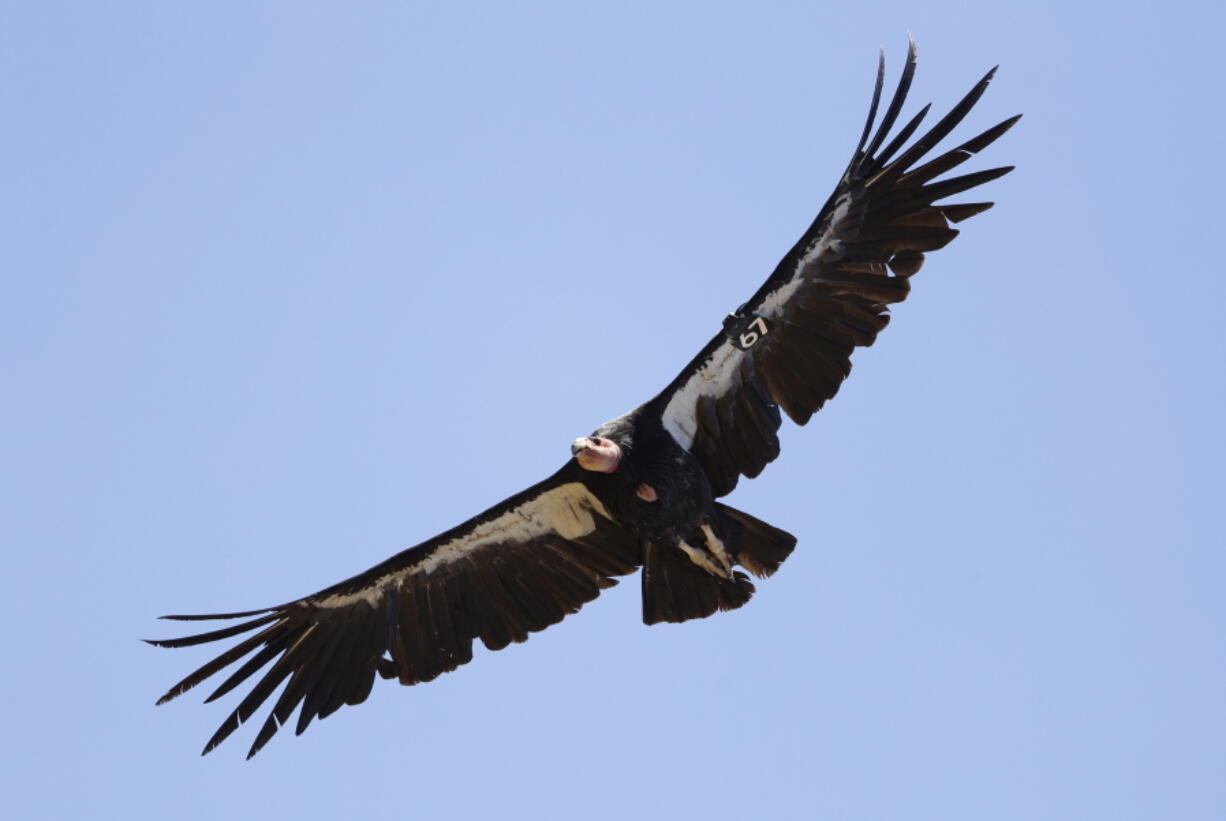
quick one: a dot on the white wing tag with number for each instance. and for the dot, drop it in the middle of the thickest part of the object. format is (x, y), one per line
(746, 331)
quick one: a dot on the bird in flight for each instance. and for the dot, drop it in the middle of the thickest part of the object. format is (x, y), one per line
(640, 491)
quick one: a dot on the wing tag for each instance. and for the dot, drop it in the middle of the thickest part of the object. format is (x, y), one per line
(746, 331)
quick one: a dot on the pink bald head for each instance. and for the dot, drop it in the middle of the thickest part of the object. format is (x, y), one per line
(597, 453)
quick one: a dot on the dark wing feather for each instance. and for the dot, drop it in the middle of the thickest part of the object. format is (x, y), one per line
(517, 568)
(830, 294)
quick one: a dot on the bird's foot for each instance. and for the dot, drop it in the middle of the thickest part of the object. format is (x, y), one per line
(702, 559)
(717, 549)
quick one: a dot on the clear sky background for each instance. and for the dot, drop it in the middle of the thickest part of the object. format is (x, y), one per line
(289, 287)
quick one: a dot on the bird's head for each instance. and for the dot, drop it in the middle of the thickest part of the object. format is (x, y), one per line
(597, 453)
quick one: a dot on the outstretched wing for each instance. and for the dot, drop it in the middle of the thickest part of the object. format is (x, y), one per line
(515, 569)
(790, 345)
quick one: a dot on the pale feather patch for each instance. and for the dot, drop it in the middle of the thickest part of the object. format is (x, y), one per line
(712, 379)
(720, 374)
(775, 300)
(565, 510)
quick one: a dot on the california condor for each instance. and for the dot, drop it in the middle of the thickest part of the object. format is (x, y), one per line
(641, 490)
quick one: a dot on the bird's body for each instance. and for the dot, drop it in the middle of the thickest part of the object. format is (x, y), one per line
(679, 497)
(661, 494)
(642, 489)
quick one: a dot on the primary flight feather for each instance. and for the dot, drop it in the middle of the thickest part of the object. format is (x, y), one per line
(639, 491)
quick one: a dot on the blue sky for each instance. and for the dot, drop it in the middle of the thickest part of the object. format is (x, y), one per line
(289, 287)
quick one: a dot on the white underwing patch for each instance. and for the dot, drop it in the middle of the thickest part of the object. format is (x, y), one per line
(566, 510)
(775, 300)
(720, 374)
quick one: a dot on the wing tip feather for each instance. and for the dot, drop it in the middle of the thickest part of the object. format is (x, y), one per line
(872, 109)
(211, 616)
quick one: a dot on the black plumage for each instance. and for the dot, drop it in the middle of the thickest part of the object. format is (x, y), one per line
(641, 490)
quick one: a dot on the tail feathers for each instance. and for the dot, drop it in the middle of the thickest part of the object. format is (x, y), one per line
(758, 547)
(675, 589)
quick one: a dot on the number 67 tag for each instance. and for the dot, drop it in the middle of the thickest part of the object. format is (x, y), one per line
(746, 331)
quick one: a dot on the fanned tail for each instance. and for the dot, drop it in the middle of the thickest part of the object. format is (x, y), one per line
(758, 547)
(675, 589)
